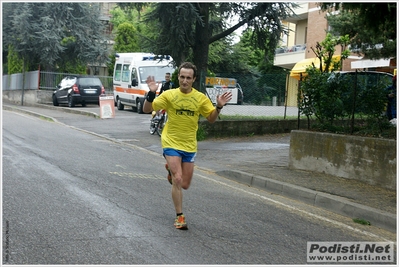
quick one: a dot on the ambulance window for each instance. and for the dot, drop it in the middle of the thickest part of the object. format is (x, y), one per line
(134, 74)
(117, 74)
(157, 71)
(125, 73)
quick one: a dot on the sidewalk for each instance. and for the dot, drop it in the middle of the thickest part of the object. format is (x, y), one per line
(346, 197)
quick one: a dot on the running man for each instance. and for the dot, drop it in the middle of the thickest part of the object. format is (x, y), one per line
(179, 137)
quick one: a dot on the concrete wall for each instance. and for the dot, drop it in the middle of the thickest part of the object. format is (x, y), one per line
(370, 160)
(230, 128)
(30, 96)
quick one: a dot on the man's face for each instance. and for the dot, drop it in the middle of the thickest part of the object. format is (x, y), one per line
(186, 79)
(167, 77)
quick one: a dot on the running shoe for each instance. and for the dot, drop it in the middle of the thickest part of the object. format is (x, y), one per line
(180, 223)
(169, 174)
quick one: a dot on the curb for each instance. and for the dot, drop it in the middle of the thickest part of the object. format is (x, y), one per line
(63, 109)
(21, 110)
(69, 110)
(326, 201)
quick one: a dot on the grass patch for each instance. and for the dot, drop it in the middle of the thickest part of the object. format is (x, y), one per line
(251, 118)
(361, 221)
(260, 118)
(46, 118)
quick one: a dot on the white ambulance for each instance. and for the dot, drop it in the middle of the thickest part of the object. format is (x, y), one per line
(130, 74)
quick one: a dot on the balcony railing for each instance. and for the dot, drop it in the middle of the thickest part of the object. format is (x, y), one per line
(294, 48)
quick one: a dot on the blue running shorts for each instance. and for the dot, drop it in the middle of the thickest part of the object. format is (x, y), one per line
(185, 156)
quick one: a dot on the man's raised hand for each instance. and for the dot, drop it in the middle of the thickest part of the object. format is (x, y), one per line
(152, 85)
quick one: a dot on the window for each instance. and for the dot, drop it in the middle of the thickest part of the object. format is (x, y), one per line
(90, 82)
(125, 73)
(157, 71)
(134, 74)
(117, 74)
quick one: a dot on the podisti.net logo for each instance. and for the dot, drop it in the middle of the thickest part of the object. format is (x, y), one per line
(370, 252)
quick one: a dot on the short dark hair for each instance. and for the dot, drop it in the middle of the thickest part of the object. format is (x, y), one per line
(189, 65)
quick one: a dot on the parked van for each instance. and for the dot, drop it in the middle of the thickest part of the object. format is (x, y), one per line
(130, 74)
(217, 85)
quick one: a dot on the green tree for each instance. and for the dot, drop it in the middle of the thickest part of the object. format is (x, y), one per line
(219, 53)
(14, 62)
(337, 97)
(317, 96)
(254, 71)
(121, 15)
(135, 7)
(371, 27)
(52, 34)
(325, 51)
(127, 32)
(270, 80)
(126, 39)
(181, 29)
(118, 16)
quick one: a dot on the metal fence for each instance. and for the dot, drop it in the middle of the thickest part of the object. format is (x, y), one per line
(16, 81)
(264, 90)
(262, 96)
(50, 80)
(44, 80)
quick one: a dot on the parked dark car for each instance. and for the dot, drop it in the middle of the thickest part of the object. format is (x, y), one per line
(76, 89)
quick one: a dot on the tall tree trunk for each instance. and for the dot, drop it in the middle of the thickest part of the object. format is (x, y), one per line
(201, 46)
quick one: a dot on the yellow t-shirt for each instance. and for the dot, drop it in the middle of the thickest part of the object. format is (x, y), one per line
(183, 110)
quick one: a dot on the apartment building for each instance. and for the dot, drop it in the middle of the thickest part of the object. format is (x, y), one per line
(105, 17)
(308, 27)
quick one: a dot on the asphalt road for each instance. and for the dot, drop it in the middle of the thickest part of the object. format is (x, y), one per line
(72, 196)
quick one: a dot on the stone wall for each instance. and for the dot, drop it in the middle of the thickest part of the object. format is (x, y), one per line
(370, 160)
(230, 128)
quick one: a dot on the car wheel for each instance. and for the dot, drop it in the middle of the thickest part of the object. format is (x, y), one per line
(119, 105)
(55, 101)
(71, 102)
(139, 106)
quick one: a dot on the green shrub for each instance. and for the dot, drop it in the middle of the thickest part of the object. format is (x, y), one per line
(201, 133)
(350, 103)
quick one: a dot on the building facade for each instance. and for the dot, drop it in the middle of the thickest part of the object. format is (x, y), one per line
(105, 17)
(306, 28)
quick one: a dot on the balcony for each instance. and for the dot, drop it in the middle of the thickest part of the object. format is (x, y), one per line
(286, 57)
(301, 13)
